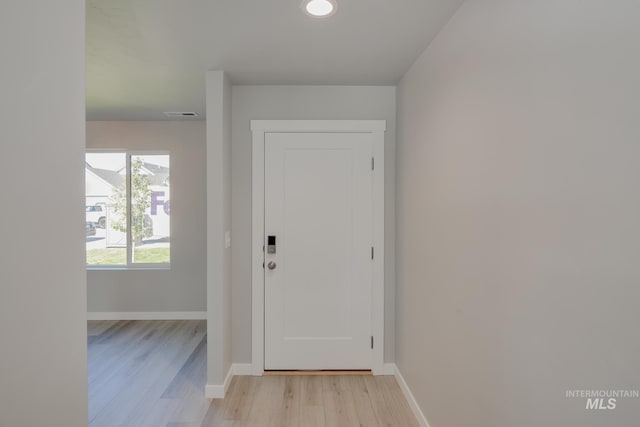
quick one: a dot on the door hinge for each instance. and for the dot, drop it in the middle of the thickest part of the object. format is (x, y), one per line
(372, 342)
(371, 252)
(373, 163)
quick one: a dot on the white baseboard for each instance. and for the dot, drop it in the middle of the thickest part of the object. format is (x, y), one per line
(147, 315)
(219, 391)
(422, 420)
(389, 369)
(227, 380)
(214, 391)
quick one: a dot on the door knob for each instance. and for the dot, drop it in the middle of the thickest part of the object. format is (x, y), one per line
(271, 265)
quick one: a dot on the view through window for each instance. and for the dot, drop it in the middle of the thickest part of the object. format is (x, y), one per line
(127, 209)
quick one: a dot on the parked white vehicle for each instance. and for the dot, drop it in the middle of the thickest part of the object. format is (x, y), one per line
(97, 214)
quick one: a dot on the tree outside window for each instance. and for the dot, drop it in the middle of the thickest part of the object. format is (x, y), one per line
(127, 209)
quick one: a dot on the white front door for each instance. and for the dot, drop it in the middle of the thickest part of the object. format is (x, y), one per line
(318, 283)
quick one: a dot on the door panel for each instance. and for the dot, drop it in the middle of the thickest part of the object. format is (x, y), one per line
(318, 205)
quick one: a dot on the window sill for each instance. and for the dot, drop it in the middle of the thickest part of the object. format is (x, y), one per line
(127, 268)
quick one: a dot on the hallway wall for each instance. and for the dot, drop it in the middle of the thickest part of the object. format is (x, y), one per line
(301, 102)
(182, 288)
(518, 209)
(43, 297)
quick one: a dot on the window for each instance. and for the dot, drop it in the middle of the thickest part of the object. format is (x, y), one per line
(127, 209)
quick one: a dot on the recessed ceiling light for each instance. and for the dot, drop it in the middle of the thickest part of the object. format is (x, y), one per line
(320, 8)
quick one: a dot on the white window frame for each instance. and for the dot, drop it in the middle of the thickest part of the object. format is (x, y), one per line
(130, 264)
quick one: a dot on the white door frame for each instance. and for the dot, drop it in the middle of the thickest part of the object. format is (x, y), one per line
(258, 129)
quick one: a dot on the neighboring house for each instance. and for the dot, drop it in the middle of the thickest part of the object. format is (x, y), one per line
(100, 184)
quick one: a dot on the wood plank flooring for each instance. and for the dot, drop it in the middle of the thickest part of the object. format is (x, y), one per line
(153, 374)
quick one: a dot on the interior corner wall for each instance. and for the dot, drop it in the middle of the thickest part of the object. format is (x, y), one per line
(301, 102)
(518, 215)
(218, 223)
(226, 219)
(182, 288)
(43, 330)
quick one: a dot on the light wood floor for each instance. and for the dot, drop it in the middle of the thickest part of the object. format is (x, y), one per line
(153, 373)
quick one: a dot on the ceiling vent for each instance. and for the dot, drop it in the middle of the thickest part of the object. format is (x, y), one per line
(181, 114)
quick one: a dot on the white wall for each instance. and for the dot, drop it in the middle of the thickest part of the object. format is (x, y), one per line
(518, 215)
(301, 102)
(183, 287)
(43, 333)
(218, 223)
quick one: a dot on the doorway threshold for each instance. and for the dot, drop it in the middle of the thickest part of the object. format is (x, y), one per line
(316, 373)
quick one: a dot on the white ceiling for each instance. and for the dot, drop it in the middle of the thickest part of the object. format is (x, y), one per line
(145, 57)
